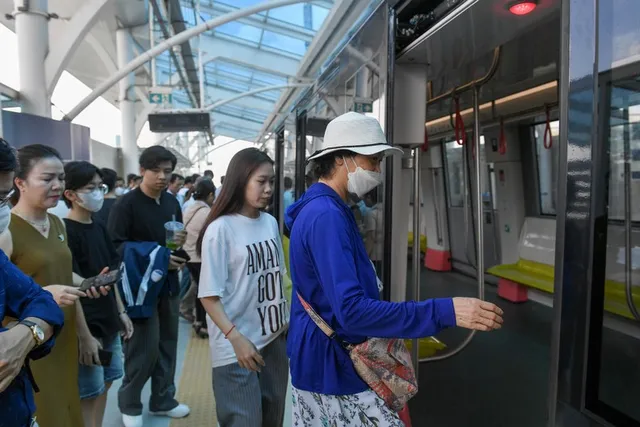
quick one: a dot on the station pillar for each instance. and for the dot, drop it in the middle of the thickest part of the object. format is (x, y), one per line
(32, 31)
(410, 101)
(127, 105)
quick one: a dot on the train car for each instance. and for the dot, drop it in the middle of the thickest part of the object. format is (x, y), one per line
(520, 122)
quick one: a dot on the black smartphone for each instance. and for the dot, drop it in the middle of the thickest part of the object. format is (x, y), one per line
(107, 279)
(105, 357)
(181, 253)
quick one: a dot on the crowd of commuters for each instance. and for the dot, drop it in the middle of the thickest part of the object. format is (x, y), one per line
(180, 247)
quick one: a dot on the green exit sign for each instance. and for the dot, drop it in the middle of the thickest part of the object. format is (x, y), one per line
(363, 107)
(160, 98)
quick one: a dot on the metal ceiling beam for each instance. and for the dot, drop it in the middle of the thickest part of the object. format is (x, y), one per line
(14, 94)
(280, 64)
(168, 31)
(275, 26)
(236, 97)
(168, 44)
(110, 65)
(61, 52)
(334, 28)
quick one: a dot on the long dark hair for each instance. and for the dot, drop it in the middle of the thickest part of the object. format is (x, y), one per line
(231, 197)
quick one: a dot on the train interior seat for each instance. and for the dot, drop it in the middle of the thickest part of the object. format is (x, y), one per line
(535, 266)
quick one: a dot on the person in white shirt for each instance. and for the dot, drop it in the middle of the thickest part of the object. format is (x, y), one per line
(182, 193)
(373, 229)
(241, 289)
(219, 189)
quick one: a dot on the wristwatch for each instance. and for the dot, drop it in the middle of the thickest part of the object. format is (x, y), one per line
(36, 331)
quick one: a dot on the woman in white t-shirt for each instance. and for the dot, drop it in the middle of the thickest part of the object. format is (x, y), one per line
(241, 290)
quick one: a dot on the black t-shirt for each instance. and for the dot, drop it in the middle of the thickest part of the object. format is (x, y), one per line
(103, 213)
(92, 250)
(137, 217)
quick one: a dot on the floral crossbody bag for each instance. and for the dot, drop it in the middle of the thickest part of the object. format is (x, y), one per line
(383, 363)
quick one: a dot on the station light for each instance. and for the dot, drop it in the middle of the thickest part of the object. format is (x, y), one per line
(522, 7)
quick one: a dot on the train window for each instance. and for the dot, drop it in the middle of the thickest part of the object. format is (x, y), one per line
(455, 173)
(624, 132)
(547, 158)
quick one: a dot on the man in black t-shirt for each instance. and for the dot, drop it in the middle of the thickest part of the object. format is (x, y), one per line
(139, 216)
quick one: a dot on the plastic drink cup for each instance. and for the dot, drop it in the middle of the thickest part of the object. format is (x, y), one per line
(170, 229)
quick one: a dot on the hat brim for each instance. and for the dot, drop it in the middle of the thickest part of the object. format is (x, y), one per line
(369, 150)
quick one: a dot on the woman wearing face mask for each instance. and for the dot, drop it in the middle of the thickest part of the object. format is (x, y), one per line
(194, 218)
(92, 250)
(38, 246)
(241, 290)
(332, 272)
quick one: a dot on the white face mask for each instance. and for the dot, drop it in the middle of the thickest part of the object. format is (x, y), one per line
(92, 201)
(361, 181)
(5, 217)
(119, 191)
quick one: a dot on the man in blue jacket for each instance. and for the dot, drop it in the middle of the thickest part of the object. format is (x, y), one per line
(39, 319)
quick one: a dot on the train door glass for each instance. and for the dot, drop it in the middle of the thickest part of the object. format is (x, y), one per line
(489, 212)
(613, 386)
(462, 238)
(455, 184)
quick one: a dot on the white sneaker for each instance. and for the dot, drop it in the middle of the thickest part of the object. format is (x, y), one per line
(179, 411)
(132, 420)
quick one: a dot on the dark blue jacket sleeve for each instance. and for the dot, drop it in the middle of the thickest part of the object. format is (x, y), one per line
(332, 254)
(24, 298)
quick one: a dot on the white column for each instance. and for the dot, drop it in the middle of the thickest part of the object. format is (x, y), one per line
(128, 140)
(32, 30)
(410, 106)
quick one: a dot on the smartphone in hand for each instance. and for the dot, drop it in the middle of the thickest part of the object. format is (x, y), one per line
(108, 279)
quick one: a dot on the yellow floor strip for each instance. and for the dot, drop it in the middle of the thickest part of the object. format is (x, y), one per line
(195, 386)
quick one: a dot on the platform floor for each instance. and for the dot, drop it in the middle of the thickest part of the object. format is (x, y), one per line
(499, 380)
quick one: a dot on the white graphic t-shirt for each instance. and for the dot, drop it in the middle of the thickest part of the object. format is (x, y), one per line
(243, 264)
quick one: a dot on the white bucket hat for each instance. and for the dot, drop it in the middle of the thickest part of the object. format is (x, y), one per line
(354, 132)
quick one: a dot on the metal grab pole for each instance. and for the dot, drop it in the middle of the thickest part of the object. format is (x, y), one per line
(436, 204)
(479, 228)
(415, 354)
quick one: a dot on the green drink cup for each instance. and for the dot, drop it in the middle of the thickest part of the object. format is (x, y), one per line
(170, 229)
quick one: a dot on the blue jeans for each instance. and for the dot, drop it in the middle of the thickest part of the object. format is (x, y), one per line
(92, 380)
(185, 282)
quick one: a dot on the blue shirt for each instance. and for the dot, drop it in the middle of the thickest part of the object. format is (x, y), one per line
(20, 298)
(287, 199)
(331, 270)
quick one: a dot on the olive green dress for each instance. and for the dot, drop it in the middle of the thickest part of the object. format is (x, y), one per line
(48, 261)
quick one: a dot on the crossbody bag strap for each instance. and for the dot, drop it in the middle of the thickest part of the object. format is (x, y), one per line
(194, 214)
(319, 321)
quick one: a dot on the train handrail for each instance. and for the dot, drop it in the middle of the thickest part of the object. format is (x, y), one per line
(470, 85)
(479, 230)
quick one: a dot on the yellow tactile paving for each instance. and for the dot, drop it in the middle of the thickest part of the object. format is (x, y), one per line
(195, 386)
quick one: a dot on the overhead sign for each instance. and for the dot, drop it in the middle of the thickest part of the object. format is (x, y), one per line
(160, 95)
(160, 98)
(362, 106)
(179, 122)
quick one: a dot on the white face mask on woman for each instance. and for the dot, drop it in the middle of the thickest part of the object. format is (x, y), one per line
(361, 181)
(5, 217)
(92, 201)
(119, 191)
